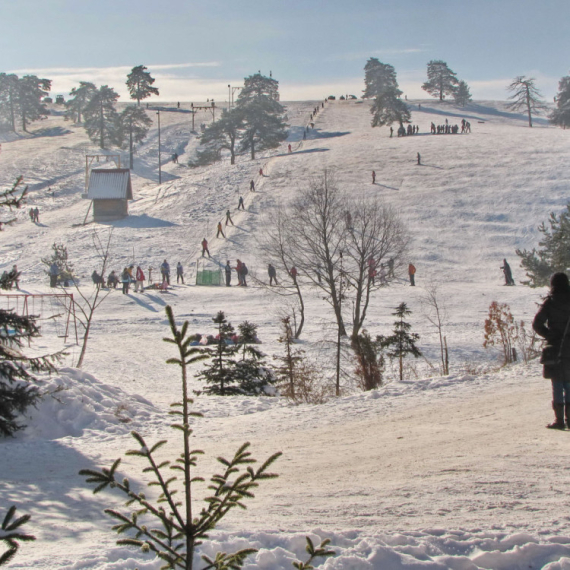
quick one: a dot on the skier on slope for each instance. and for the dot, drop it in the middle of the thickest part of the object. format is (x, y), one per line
(229, 218)
(220, 230)
(205, 247)
(240, 204)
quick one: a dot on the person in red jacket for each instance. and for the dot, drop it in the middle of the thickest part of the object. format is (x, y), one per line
(412, 274)
(139, 278)
(293, 274)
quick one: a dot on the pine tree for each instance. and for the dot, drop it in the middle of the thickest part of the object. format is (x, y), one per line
(286, 373)
(401, 342)
(369, 361)
(79, 98)
(263, 116)
(252, 375)
(9, 99)
(31, 91)
(221, 135)
(561, 115)
(388, 108)
(17, 391)
(441, 81)
(13, 198)
(553, 253)
(378, 77)
(60, 257)
(11, 534)
(462, 95)
(139, 84)
(101, 117)
(526, 96)
(381, 83)
(219, 373)
(133, 125)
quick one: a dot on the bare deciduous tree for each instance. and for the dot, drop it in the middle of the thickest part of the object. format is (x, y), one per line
(338, 243)
(525, 95)
(436, 314)
(277, 251)
(89, 303)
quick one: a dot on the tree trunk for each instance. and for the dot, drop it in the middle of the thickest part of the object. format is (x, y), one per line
(252, 149)
(102, 128)
(131, 146)
(12, 113)
(528, 107)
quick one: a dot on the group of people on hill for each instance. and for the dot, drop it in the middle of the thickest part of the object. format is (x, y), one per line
(241, 270)
(403, 131)
(131, 275)
(10, 279)
(34, 214)
(447, 129)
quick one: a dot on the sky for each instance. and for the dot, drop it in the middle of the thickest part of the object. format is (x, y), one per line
(314, 48)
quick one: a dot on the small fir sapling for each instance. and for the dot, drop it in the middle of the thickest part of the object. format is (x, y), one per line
(173, 527)
(252, 375)
(401, 342)
(218, 373)
(11, 534)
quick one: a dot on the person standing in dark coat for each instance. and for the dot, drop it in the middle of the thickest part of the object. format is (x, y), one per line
(228, 274)
(551, 323)
(272, 274)
(508, 273)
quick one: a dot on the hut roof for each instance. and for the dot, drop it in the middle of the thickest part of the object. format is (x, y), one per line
(110, 184)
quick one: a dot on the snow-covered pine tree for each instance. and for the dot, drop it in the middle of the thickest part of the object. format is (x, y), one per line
(11, 534)
(561, 114)
(139, 83)
(79, 98)
(462, 95)
(401, 342)
(553, 253)
(263, 116)
(525, 95)
(8, 99)
(253, 376)
(441, 81)
(219, 373)
(100, 116)
(221, 135)
(31, 91)
(17, 391)
(133, 125)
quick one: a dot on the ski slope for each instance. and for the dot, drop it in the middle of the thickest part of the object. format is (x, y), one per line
(454, 472)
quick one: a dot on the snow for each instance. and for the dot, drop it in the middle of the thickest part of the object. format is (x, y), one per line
(434, 472)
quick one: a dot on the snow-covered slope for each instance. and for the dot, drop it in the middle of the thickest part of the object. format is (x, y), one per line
(454, 472)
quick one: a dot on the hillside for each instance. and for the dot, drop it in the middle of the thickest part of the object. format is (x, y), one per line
(455, 472)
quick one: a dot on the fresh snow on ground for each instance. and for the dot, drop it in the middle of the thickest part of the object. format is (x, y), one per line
(432, 473)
